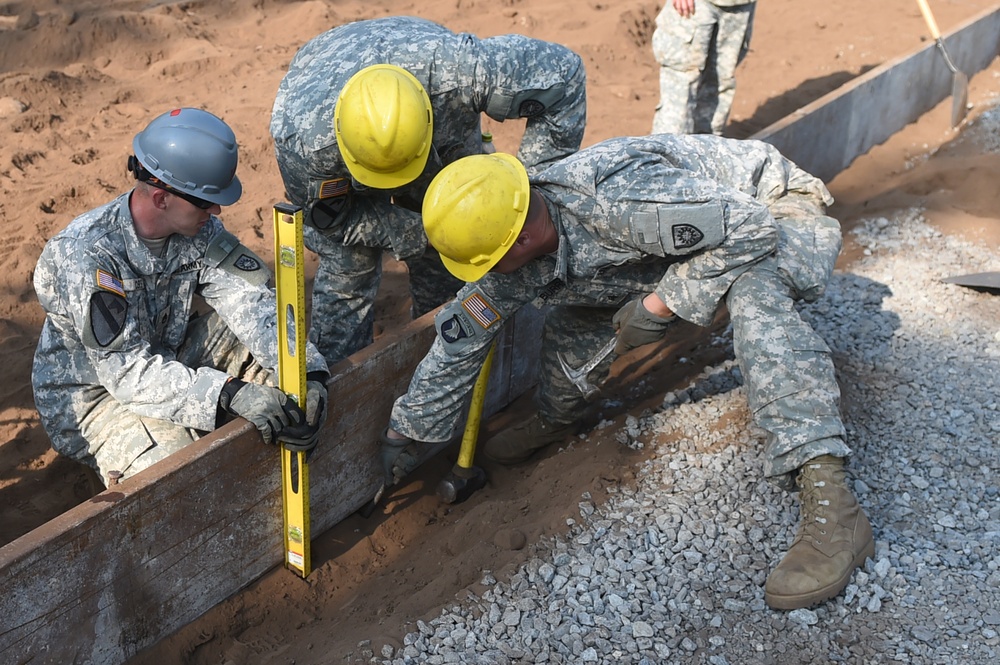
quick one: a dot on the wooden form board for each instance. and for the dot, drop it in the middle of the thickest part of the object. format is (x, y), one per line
(138, 561)
(153, 553)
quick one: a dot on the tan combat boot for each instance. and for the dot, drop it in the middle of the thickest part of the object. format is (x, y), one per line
(834, 538)
(519, 442)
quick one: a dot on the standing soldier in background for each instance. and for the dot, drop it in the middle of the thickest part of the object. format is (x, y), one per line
(698, 44)
(368, 113)
(127, 371)
(629, 235)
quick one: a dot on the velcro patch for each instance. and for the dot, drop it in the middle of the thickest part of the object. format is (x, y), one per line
(108, 312)
(686, 236)
(480, 310)
(452, 330)
(106, 280)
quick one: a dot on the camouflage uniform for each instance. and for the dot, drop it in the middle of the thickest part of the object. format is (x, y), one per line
(509, 76)
(698, 56)
(125, 372)
(695, 219)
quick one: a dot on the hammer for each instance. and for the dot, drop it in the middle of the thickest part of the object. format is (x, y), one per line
(579, 376)
(464, 478)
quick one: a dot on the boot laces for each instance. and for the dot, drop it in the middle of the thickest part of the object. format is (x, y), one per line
(814, 519)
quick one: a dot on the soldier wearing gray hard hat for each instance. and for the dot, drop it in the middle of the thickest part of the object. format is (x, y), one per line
(160, 325)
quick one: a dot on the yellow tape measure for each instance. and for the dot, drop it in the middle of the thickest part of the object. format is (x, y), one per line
(290, 280)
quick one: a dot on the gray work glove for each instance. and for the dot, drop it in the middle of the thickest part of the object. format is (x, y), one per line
(399, 457)
(637, 326)
(316, 401)
(268, 408)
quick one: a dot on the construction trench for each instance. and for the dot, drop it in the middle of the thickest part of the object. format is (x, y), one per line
(137, 561)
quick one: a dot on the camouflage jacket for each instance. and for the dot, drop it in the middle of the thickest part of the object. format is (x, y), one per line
(509, 76)
(116, 316)
(678, 215)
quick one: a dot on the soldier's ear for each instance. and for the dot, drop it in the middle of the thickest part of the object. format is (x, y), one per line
(158, 197)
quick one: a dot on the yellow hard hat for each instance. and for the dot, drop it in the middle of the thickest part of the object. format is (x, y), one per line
(384, 125)
(474, 210)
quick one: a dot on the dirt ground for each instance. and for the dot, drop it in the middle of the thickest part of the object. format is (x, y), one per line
(78, 79)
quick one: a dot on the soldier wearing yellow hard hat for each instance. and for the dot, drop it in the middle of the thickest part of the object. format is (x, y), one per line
(621, 241)
(367, 115)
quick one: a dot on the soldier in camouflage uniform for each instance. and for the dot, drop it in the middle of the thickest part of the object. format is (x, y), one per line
(368, 113)
(126, 370)
(698, 44)
(628, 236)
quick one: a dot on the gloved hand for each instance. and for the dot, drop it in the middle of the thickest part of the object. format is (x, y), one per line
(305, 436)
(268, 408)
(316, 400)
(399, 457)
(637, 326)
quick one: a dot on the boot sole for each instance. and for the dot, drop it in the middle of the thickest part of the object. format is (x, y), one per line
(804, 600)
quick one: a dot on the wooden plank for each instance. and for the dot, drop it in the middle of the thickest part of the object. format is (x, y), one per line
(148, 556)
(153, 553)
(825, 136)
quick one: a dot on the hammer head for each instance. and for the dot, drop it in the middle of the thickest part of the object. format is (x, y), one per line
(461, 483)
(578, 377)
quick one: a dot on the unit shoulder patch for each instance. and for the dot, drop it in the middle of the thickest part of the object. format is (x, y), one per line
(108, 312)
(247, 263)
(452, 330)
(529, 108)
(686, 236)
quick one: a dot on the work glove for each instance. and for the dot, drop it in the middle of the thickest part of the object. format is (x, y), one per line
(399, 457)
(637, 326)
(269, 409)
(304, 437)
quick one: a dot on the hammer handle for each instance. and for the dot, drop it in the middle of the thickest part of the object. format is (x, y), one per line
(468, 450)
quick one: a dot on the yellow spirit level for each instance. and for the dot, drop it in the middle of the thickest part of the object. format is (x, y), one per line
(289, 279)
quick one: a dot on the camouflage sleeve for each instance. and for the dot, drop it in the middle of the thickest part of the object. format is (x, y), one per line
(117, 345)
(544, 83)
(433, 406)
(693, 288)
(234, 283)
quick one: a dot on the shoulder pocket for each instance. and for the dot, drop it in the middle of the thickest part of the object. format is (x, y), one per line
(227, 253)
(676, 229)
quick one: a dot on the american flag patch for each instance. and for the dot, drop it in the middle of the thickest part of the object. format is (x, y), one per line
(336, 187)
(480, 310)
(107, 281)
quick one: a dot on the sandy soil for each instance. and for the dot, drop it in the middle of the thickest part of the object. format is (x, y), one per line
(78, 79)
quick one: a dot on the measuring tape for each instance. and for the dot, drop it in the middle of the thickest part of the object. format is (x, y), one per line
(290, 285)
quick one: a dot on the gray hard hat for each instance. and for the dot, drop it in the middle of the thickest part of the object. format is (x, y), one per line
(192, 151)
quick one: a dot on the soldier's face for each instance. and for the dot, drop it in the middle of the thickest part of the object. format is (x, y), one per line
(186, 219)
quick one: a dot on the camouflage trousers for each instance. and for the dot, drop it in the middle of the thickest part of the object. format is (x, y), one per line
(698, 56)
(119, 439)
(787, 368)
(346, 283)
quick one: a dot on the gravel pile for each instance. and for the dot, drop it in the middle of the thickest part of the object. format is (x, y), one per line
(672, 570)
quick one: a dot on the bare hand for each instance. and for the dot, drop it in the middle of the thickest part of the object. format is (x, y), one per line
(684, 7)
